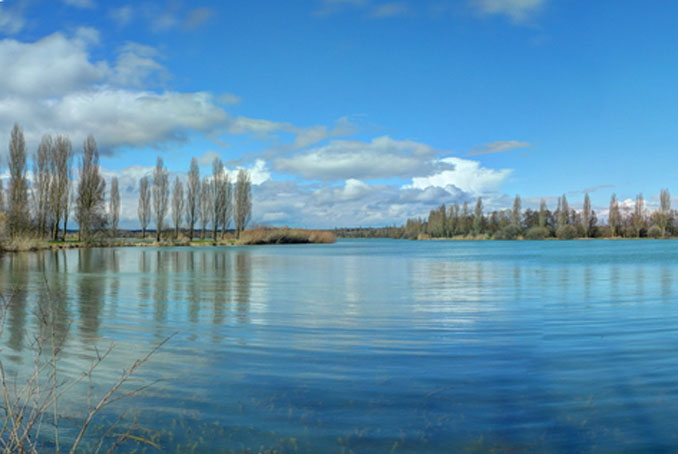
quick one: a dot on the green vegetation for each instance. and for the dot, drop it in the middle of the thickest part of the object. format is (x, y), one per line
(564, 223)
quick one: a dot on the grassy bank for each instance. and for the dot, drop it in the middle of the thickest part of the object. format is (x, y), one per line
(248, 237)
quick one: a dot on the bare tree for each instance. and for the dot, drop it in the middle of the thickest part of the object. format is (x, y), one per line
(217, 194)
(160, 196)
(206, 202)
(225, 197)
(586, 215)
(17, 215)
(638, 217)
(664, 210)
(177, 205)
(516, 212)
(193, 196)
(614, 216)
(478, 215)
(42, 183)
(144, 208)
(542, 213)
(60, 163)
(243, 201)
(91, 199)
(563, 212)
(114, 206)
(2, 197)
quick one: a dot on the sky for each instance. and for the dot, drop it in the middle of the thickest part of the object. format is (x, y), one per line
(356, 112)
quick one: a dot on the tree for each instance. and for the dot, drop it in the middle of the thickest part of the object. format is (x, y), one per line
(614, 216)
(516, 212)
(193, 196)
(160, 196)
(478, 216)
(664, 210)
(2, 197)
(223, 199)
(542, 213)
(563, 212)
(17, 214)
(114, 206)
(177, 205)
(91, 198)
(206, 202)
(60, 164)
(41, 183)
(586, 215)
(243, 201)
(638, 217)
(144, 208)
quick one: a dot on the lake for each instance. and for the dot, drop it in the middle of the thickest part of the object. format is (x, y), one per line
(367, 346)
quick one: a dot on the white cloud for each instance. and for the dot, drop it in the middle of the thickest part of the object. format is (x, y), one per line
(49, 67)
(466, 175)
(500, 147)
(53, 85)
(383, 157)
(516, 10)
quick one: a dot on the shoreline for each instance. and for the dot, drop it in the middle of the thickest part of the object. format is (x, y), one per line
(254, 237)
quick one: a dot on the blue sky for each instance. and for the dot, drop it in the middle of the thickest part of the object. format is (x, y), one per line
(356, 112)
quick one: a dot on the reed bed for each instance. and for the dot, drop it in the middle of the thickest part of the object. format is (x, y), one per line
(285, 235)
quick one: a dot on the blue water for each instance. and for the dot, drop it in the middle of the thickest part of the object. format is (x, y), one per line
(370, 346)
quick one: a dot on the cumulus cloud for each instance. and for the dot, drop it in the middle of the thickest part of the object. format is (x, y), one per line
(383, 157)
(466, 175)
(516, 10)
(53, 85)
(500, 147)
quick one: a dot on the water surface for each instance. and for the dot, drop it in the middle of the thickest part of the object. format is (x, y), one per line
(371, 346)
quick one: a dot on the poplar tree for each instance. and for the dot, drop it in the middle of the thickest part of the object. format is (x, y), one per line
(17, 203)
(478, 216)
(206, 202)
(542, 213)
(586, 215)
(243, 201)
(114, 206)
(516, 212)
(664, 210)
(614, 216)
(563, 212)
(41, 183)
(638, 219)
(144, 207)
(91, 198)
(177, 205)
(160, 196)
(193, 196)
(60, 164)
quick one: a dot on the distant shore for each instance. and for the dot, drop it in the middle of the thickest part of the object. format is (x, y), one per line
(253, 237)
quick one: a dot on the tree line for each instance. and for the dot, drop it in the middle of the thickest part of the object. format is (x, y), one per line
(41, 206)
(563, 222)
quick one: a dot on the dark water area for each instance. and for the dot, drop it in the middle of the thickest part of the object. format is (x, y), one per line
(369, 346)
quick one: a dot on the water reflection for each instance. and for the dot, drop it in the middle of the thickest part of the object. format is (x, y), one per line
(91, 291)
(243, 283)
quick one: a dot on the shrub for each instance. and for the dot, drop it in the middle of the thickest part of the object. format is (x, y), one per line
(567, 232)
(537, 233)
(510, 232)
(654, 232)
